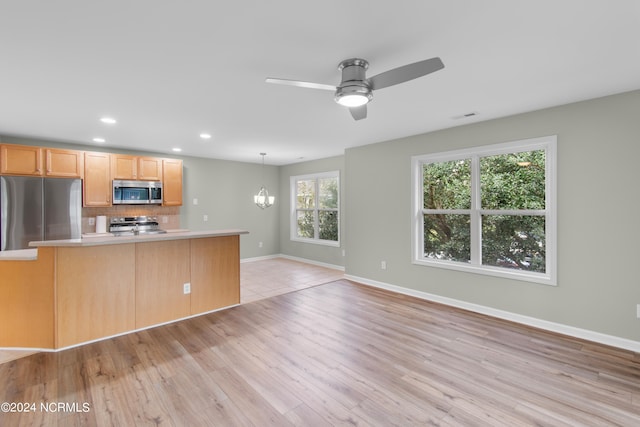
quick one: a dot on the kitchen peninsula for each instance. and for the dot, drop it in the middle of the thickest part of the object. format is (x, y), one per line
(71, 292)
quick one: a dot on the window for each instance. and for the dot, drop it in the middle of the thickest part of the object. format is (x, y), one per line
(489, 210)
(315, 208)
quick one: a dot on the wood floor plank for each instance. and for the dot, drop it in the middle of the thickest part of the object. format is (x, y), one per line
(334, 354)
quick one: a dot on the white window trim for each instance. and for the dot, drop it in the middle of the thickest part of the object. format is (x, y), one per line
(293, 218)
(549, 144)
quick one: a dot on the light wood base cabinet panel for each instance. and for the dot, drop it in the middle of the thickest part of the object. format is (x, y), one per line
(215, 273)
(26, 295)
(162, 269)
(95, 292)
(72, 295)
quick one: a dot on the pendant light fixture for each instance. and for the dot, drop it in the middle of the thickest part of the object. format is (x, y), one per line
(262, 199)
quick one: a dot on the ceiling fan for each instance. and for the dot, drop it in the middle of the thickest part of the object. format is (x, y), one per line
(355, 90)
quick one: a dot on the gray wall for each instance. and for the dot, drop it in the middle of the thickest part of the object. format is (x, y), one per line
(224, 190)
(314, 252)
(598, 206)
(598, 151)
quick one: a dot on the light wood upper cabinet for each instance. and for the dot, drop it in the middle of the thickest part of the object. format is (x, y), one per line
(97, 179)
(64, 163)
(98, 170)
(20, 160)
(172, 182)
(134, 167)
(149, 168)
(124, 166)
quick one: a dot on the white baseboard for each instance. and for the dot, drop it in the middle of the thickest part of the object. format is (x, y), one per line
(259, 258)
(309, 261)
(506, 315)
(293, 258)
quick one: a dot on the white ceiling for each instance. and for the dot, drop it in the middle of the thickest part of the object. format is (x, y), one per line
(169, 70)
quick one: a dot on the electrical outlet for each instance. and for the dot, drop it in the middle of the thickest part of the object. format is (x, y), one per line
(165, 219)
(344, 252)
(195, 201)
(186, 288)
(638, 311)
(383, 265)
(92, 221)
(205, 218)
(259, 244)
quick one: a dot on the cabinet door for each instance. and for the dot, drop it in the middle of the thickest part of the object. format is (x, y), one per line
(20, 160)
(149, 168)
(97, 179)
(64, 163)
(93, 299)
(162, 269)
(215, 273)
(124, 167)
(172, 182)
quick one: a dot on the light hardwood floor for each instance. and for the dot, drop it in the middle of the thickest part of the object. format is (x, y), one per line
(277, 276)
(338, 353)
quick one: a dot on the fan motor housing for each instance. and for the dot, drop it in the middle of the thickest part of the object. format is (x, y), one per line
(354, 81)
(353, 71)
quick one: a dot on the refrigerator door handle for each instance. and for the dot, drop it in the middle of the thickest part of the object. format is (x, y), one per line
(3, 214)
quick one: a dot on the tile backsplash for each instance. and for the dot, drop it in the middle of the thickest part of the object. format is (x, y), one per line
(169, 214)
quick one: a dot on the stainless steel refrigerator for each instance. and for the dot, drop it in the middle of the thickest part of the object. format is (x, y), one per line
(35, 209)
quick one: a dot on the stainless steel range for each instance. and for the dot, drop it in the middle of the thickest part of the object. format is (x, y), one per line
(134, 225)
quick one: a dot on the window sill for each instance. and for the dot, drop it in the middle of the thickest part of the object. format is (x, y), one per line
(520, 275)
(317, 242)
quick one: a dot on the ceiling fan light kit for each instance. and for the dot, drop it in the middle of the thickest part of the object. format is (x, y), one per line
(355, 90)
(356, 97)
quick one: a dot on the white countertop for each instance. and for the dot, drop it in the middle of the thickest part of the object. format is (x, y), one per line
(19, 255)
(110, 239)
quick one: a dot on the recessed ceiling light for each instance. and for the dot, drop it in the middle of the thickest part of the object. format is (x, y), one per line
(99, 140)
(108, 120)
(176, 149)
(205, 136)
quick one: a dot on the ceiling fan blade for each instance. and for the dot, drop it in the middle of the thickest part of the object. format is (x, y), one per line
(297, 83)
(405, 73)
(359, 113)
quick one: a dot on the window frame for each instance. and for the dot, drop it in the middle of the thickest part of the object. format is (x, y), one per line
(549, 145)
(293, 180)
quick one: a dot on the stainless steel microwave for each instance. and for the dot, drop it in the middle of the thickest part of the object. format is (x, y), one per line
(137, 192)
